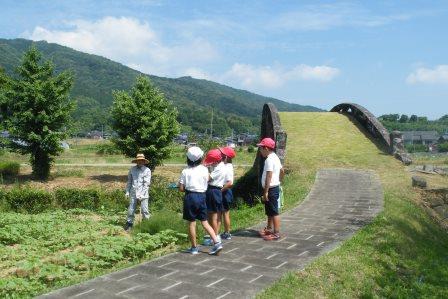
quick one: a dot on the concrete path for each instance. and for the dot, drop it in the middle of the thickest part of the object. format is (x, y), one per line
(340, 202)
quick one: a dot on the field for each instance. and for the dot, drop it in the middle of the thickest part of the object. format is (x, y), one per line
(40, 251)
(402, 254)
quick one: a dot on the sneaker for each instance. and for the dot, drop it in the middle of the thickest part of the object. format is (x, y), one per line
(192, 250)
(216, 249)
(265, 232)
(272, 237)
(207, 242)
(128, 226)
(226, 236)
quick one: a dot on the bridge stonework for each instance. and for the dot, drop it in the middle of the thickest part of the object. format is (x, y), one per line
(393, 143)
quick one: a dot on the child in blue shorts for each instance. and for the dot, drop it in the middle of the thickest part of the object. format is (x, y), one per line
(193, 181)
(227, 195)
(217, 178)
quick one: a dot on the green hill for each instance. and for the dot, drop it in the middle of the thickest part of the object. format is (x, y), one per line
(96, 77)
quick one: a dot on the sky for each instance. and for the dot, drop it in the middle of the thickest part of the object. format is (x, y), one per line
(388, 56)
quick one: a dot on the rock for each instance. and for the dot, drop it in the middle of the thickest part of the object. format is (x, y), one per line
(442, 211)
(435, 202)
(418, 181)
(429, 168)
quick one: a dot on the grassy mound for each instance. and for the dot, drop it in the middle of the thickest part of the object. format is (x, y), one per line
(403, 253)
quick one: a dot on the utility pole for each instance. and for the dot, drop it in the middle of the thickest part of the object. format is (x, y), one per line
(211, 126)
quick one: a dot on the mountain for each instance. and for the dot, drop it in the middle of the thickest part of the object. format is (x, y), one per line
(96, 77)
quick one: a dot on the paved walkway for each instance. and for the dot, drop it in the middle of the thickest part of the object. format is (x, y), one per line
(340, 202)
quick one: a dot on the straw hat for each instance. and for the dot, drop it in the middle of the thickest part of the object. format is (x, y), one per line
(140, 157)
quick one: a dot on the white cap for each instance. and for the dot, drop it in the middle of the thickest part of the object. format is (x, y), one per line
(194, 153)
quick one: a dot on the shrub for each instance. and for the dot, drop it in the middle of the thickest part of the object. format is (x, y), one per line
(9, 168)
(443, 147)
(416, 148)
(28, 200)
(69, 198)
(107, 149)
(114, 200)
(251, 149)
(163, 198)
(161, 221)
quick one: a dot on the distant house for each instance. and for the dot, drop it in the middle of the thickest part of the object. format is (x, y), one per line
(95, 134)
(443, 138)
(420, 137)
(246, 139)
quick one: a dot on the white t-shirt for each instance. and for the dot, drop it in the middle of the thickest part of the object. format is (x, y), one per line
(194, 179)
(272, 163)
(229, 172)
(218, 175)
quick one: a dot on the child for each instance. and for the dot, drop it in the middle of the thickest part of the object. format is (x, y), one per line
(139, 179)
(217, 169)
(227, 195)
(270, 181)
(193, 181)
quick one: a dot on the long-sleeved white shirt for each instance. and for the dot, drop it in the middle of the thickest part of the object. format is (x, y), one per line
(139, 179)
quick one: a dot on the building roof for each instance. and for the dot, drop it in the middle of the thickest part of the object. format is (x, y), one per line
(420, 135)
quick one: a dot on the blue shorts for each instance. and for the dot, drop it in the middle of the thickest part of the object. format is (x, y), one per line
(214, 199)
(271, 206)
(194, 206)
(227, 198)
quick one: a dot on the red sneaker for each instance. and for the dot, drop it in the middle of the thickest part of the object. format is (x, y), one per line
(272, 237)
(265, 232)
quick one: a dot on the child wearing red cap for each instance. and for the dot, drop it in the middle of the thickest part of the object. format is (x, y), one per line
(270, 181)
(213, 160)
(193, 181)
(227, 195)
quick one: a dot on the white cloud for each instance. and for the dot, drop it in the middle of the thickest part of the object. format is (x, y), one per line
(268, 77)
(327, 16)
(437, 75)
(131, 42)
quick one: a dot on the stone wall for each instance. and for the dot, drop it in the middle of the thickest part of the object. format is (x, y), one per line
(437, 200)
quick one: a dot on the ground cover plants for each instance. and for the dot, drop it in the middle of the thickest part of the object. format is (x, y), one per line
(402, 254)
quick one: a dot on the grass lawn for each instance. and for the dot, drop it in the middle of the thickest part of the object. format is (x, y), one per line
(402, 254)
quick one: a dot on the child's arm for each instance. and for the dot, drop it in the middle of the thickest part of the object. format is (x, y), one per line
(181, 183)
(181, 187)
(282, 174)
(267, 185)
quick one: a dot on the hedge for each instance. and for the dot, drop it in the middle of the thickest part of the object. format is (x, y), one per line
(9, 168)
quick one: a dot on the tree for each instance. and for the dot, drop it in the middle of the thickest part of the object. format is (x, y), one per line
(390, 117)
(413, 118)
(403, 118)
(39, 111)
(144, 121)
(4, 87)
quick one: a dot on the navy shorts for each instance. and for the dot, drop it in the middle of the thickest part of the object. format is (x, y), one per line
(227, 198)
(194, 206)
(214, 199)
(271, 206)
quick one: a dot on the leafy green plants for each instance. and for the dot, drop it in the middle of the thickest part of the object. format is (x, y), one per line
(8, 169)
(161, 221)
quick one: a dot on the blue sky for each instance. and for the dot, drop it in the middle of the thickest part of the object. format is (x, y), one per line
(389, 56)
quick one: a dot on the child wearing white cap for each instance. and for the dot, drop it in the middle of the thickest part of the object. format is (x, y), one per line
(193, 181)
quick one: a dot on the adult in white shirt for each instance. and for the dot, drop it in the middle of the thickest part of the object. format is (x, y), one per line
(270, 181)
(137, 189)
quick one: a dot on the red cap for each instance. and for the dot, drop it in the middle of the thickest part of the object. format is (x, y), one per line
(267, 142)
(213, 156)
(228, 152)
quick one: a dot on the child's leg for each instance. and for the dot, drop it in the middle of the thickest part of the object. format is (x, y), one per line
(209, 230)
(226, 216)
(269, 223)
(213, 220)
(218, 222)
(192, 233)
(276, 222)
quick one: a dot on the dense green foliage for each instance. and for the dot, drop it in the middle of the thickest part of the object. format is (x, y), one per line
(414, 123)
(443, 147)
(145, 122)
(39, 111)
(96, 77)
(9, 168)
(54, 249)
